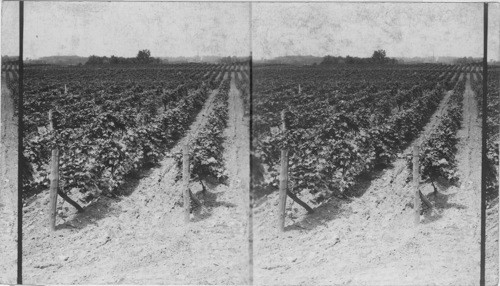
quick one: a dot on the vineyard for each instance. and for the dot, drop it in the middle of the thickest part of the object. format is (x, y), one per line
(382, 173)
(120, 133)
(339, 129)
(350, 135)
(108, 125)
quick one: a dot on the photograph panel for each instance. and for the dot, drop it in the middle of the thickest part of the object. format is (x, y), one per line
(365, 127)
(137, 136)
(9, 142)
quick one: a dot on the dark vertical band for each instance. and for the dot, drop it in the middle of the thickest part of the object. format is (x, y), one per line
(250, 193)
(483, 147)
(20, 150)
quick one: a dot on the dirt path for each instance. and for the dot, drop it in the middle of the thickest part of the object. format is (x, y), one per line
(8, 186)
(237, 146)
(372, 240)
(141, 238)
(492, 244)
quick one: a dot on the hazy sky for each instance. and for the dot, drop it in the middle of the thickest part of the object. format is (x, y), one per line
(124, 28)
(278, 29)
(357, 29)
(494, 31)
(10, 28)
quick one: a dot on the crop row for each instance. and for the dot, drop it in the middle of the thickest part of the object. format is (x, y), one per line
(207, 145)
(437, 151)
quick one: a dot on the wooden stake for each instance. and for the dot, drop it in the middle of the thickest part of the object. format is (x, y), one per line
(54, 186)
(282, 188)
(185, 180)
(416, 183)
(283, 181)
(70, 201)
(425, 200)
(54, 177)
(196, 200)
(299, 201)
(52, 124)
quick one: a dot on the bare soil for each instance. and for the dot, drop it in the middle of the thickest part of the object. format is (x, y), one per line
(8, 186)
(141, 238)
(492, 244)
(372, 239)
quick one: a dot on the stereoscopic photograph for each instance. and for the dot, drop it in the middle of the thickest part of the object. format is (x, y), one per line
(136, 142)
(242, 143)
(366, 143)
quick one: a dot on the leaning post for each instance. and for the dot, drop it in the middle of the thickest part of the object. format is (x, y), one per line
(283, 180)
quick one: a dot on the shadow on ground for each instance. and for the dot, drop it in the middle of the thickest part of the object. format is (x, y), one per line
(440, 201)
(210, 201)
(102, 207)
(336, 207)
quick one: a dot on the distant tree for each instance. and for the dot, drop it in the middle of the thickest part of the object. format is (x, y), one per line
(379, 56)
(144, 56)
(114, 60)
(95, 60)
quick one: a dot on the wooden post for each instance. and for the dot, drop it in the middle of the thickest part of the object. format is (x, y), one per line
(282, 188)
(283, 181)
(65, 90)
(416, 183)
(185, 180)
(54, 177)
(300, 89)
(54, 186)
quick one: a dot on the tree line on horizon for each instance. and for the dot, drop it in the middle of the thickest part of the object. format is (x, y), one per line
(378, 57)
(143, 57)
(10, 59)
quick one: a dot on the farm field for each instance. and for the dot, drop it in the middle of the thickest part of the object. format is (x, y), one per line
(8, 173)
(350, 133)
(120, 133)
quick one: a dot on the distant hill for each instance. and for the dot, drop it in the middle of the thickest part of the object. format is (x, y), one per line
(200, 59)
(75, 60)
(58, 60)
(443, 60)
(292, 60)
(310, 60)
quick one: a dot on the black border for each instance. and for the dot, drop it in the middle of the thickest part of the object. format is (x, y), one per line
(482, 279)
(250, 189)
(20, 150)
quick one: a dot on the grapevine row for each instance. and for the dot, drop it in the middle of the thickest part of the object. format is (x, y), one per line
(437, 151)
(207, 146)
